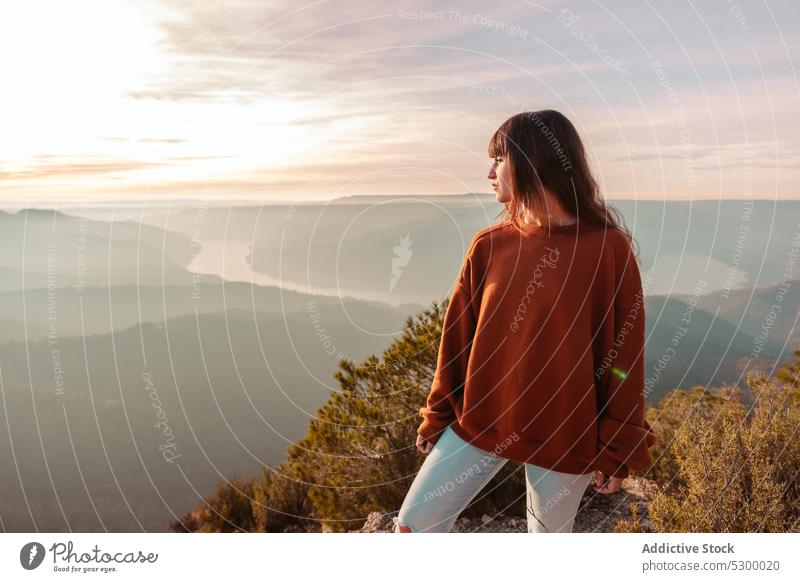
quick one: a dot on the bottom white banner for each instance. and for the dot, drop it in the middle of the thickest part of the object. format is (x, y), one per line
(326, 556)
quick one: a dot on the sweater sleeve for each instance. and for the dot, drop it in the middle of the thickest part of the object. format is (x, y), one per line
(624, 434)
(458, 329)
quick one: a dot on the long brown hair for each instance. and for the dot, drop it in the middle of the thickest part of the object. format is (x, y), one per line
(544, 150)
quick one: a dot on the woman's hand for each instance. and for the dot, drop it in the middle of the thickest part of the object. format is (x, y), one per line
(423, 445)
(613, 484)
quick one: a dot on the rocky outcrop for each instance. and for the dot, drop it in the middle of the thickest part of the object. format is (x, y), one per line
(597, 513)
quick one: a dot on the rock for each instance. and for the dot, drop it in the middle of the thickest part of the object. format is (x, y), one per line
(378, 522)
(597, 513)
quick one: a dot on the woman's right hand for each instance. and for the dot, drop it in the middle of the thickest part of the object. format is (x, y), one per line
(423, 445)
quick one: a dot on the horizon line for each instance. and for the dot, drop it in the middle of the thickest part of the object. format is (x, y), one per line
(27, 202)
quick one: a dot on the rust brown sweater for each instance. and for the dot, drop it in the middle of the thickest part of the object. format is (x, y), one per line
(541, 357)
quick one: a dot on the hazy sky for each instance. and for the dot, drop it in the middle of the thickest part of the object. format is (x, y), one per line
(299, 101)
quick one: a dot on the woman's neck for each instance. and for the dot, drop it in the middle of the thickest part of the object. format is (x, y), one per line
(555, 219)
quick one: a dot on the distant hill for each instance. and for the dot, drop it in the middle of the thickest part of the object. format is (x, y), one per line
(31, 314)
(42, 247)
(443, 199)
(235, 388)
(708, 350)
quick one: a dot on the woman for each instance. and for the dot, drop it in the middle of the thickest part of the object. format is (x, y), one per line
(541, 359)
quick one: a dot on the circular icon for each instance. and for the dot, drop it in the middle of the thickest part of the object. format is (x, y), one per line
(31, 555)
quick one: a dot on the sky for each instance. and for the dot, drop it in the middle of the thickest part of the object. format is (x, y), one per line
(299, 101)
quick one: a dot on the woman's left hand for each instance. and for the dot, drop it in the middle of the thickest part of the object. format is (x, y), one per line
(613, 485)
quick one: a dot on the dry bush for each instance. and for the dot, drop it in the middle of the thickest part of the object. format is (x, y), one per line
(725, 467)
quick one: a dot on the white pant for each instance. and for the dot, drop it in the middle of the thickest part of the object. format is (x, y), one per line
(455, 471)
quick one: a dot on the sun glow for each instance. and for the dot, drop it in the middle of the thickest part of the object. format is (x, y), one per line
(63, 64)
(86, 107)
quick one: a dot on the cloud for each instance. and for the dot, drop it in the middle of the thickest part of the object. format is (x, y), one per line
(276, 90)
(76, 169)
(159, 140)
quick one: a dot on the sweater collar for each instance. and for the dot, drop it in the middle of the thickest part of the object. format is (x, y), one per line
(535, 229)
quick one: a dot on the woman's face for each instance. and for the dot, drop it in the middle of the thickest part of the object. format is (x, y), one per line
(500, 177)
